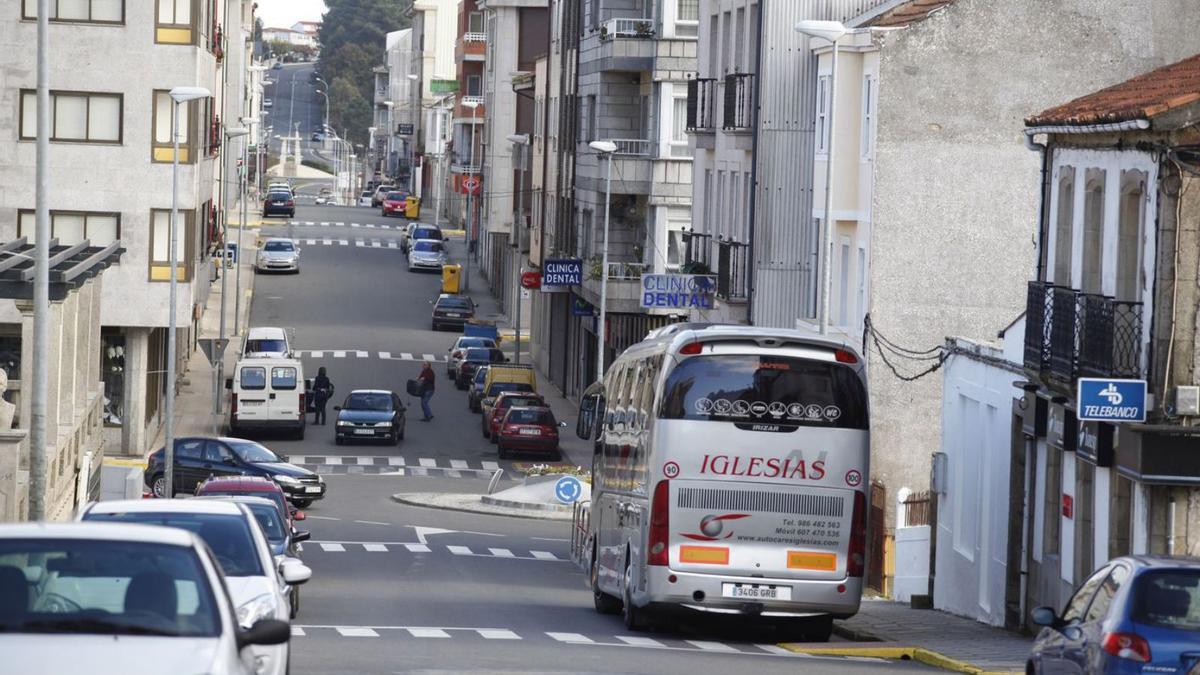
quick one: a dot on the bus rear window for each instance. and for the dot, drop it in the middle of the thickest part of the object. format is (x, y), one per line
(757, 389)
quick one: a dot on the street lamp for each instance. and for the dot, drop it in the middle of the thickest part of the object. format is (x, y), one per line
(474, 106)
(219, 363)
(237, 278)
(391, 132)
(371, 151)
(521, 143)
(179, 96)
(605, 148)
(408, 143)
(325, 128)
(830, 31)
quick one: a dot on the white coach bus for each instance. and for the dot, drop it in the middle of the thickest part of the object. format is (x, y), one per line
(729, 476)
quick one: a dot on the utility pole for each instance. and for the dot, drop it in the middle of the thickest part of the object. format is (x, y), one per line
(41, 277)
(521, 144)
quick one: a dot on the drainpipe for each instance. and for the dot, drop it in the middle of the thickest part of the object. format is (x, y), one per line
(751, 265)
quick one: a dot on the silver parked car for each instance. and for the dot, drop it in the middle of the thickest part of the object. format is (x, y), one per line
(426, 254)
(278, 255)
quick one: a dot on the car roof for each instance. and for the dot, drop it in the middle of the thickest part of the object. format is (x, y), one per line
(242, 499)
(371, 391)
(100, 531)
(1162, 561)
(249, 483)
(271, 239)
(508, 394)
(266, 331)
(166, 506)
(537, 408)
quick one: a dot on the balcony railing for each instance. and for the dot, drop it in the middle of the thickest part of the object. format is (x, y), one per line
(1070, 334)
(702, 104)
(739, 101)
(627, 271)
(474, 37)
(731, 269)
(472, 99)
(633, 147)
(697, 253)
(627, 28)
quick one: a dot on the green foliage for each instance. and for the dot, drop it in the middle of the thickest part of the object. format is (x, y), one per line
(319, 166)
(353, 36)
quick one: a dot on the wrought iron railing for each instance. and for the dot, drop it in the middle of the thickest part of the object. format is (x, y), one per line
(731, 269)
(1037, 338)
(739, 101)
(702, 104)
(474, 37)
(633, 147)
(627, 28)
(626, 271)
(1110, 337)
(697, 254)
(1070, 334)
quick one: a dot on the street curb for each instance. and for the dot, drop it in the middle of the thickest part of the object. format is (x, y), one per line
(524, 506)
(897, 653)
(530, 515)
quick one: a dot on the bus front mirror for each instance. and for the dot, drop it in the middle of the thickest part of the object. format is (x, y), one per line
(583, 427)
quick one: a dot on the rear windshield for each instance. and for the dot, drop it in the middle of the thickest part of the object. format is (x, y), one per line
(530, 417)
(520, 401)
(454, 303)
(753, 388)
(228, 536)
(481, 375)
(254, 378)
(262, 346)
(498, 387)
(485, 355)
(268, 519)
(280, 196)
(427, 233)
(1170, 599)
(426, 245)
(283, 378)
(476, 342)
(395, 196)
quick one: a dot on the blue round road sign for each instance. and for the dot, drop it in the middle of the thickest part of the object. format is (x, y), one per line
(568, 489)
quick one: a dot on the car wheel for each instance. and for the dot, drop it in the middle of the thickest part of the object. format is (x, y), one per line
(396, 436)
(295, 601)
(302, 503)
(158, 485)
(338, 440)
(635, 617)
(400, 434)
(604, 603)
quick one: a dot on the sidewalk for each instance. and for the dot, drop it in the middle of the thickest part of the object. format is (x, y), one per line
(892, 630)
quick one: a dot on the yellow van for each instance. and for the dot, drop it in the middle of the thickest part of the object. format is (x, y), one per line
(505, 377)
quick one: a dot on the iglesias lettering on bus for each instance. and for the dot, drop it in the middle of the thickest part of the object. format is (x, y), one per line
(788, 469)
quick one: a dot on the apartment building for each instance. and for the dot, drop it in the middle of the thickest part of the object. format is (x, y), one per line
(396, 108)
(467, 155)
(435, 30)
(112, 64)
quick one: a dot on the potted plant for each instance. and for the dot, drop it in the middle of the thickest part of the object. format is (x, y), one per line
(645, 29)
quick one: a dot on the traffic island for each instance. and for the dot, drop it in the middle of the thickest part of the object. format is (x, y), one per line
(545, 496)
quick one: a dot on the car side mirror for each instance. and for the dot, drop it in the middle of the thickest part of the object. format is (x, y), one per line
(229, 383)
(294, 572)
(301, 536)
(562, 425)
(265, 632)
(1046, 616)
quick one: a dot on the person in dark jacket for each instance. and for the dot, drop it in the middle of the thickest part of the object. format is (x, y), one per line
(322, 392)
(426, 378)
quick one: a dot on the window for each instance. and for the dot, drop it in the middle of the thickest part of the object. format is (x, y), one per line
(592, 131)
(1063, 227)
(687, 18)
(254, 378)
(216, 453)
(193, 449)
(679, 139)
(1129, 237)
(844, 284)
(739, 42)
(1093, 232)
(726, 35)
(868, 117)
(72, 227)
(79, 11)
(1105, 594)
(475, 22)
(163, 148)
(173, 23)
(714, 29)
(75, 116)
(1079, 602)
(283, 378)
(823, 114)
(475, 85)
(160, 251)
(1168, 599)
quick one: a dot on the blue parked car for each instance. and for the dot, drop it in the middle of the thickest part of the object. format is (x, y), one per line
(1136, 614)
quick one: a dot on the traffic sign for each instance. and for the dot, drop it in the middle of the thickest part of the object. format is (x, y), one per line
(213, 348)
(531, 279)
(471, 184)
(1109, 400)
(568, 489)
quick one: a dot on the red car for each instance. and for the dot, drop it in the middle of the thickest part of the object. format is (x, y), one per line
(528, 428)
(253, 486)
(504, 401)
(394, 204)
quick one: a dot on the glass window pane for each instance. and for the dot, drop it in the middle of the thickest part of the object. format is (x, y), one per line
(183, 11)
(30, 9)
(689, 10)
(182, 129)
(67, 228)
(104, 118)
(70, 117)
(679, 120)
(162, 118)
(26, 226)
(72, 10)
(29, 114)
(166, 11)
(102, 230)
(107, 10)
(161, 236)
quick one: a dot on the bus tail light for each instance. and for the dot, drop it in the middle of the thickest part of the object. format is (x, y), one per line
(857, 558)
(660, 525)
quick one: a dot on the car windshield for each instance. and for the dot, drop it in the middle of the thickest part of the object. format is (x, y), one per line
(526, 416)
(259, 346)
(280, 195)
(104, 587)
(252, 452)
(481, 375)
(428, 246)
(498, 387)
(395, 196)
(485, 355)
(519, 401)
(464, 342)
(268, 519)
(385, 188)
(279, 246)
(275, 496)
(228, 536)
(454, 303)
(364, 401)
(366, 193)
(1168, 598)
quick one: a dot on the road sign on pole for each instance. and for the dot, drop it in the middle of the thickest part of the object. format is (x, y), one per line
(213, 348)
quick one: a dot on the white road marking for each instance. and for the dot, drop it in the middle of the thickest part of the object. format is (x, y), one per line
(332, 548)
(347, 631)
(459, 550)
(406, 356)
(311, 242)
(497, 634)
(395, 461)
(776, 649)
(322, 518)
(316, 355)
(417, 548)
(711, 646)
(334, 461)
(297, 631)
(370, 522)
(491, 466)
(385, 355)
(343, 242)
(543, 555)
(371, 225)
(354, 225)
(358, 241)
(636, 641)
(375, 243)
(458, 464)
(360, 354)
(368, 461)
(429, 357)
(375, 548)
(339, 355)
(428, 633)
(501, 552)
(570, 637)
(427, 462)
(549, 539)
(327, 241)
(309, 222)
(324, 224)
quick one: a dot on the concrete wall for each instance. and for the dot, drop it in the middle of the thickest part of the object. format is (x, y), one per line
(956, 192)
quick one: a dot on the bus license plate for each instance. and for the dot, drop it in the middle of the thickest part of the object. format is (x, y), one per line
(757, 592)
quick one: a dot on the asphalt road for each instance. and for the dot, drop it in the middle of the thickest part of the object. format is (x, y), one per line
(405, 589)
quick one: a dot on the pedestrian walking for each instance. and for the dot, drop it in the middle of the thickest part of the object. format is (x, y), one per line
(427, 379)
(322, 392)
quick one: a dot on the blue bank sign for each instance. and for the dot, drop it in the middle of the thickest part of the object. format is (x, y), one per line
(558, 273)
(678, 291)
(1105, 400)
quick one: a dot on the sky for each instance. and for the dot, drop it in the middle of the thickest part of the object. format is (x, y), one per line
(284, 13)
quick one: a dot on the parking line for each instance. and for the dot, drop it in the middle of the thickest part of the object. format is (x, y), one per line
(385, 355)
(711, 646)
(458, 464)
(375, 548)
(428, 462)
(417, 548)
(429, 357)
(501, 552)
(332, 548)
(459, 550)
(497, 634)
(361, 354)
(367, 461)
(428, 633)
(406, 356)
(639, 641)
(333, 461)
(571, 637)
(346, 631)
(491, 466)
(339, 355)
(297, 631)
(776, 649)
(395, 461)
(543, 555)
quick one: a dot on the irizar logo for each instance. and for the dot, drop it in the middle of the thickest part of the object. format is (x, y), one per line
(1110, 392)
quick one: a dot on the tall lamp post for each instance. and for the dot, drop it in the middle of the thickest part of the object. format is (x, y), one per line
(474, 106)
(219, 364)
(237, 278)
(391, 132)
(372, 154)
(604, 148)
(521, 144)
(831, 31)
(412, 186)
(179, 96)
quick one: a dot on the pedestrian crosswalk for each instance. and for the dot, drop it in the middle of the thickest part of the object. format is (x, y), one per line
(362, 354)
(405, 548)
(359, 242)
(397, 466)
(399, 225)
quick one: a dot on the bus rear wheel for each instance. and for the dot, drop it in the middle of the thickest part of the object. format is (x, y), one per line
(605, 603)
(636, 618)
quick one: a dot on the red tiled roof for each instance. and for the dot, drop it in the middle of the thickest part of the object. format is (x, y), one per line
(1144, 97)
(907, 13)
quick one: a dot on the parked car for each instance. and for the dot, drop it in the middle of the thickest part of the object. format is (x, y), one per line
(1136, 614)
(364, 199)
(406, 235)
(277, 66)
(278, 254)
(426, 254)
(502, 378)
(456, 351)
(472, 359)
(394, 203)
(381, 192)
(279, 203)
(318, 137)
(417, 232)
(258, 585)
(254, 486)
(493, 413)
(266, 342)
(452, 310)
(198, 458)
(370, 414)
(280, 187)
(121, 598)
(475, 392)
(528, 429)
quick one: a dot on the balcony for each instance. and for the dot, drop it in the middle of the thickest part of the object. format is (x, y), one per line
(633, 147)
(1070, 334)
(470, 47)
(702, 105)
(638, 28)
(464, 113)
(739, 102)
(732, 258)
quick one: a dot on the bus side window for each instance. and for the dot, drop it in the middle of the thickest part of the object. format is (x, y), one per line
(586, 425)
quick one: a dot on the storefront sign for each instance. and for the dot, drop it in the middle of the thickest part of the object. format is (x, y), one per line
(580, 307)
(1106, 400)
(678, 291)
(531, 280)
(1062, 428)
(1068, 506)
(1096, 442)
(562, 272)
(404, 129)
(443, 86)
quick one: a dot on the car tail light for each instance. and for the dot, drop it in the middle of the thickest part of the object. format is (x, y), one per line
(844, 356)
(1127, 646)
(856, 558)
(303, 410)
(458, 354)
(233, 406)
(511, 428)
(660, 522)
(691, 348)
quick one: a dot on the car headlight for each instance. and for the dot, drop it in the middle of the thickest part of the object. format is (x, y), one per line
(343, 423)
(256, 609)
(383, 424)
(288, 480)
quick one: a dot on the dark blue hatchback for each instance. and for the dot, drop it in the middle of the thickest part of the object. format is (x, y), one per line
(1134, 615)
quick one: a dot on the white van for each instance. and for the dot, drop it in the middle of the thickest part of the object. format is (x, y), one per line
(267, 394)
(266, 342)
